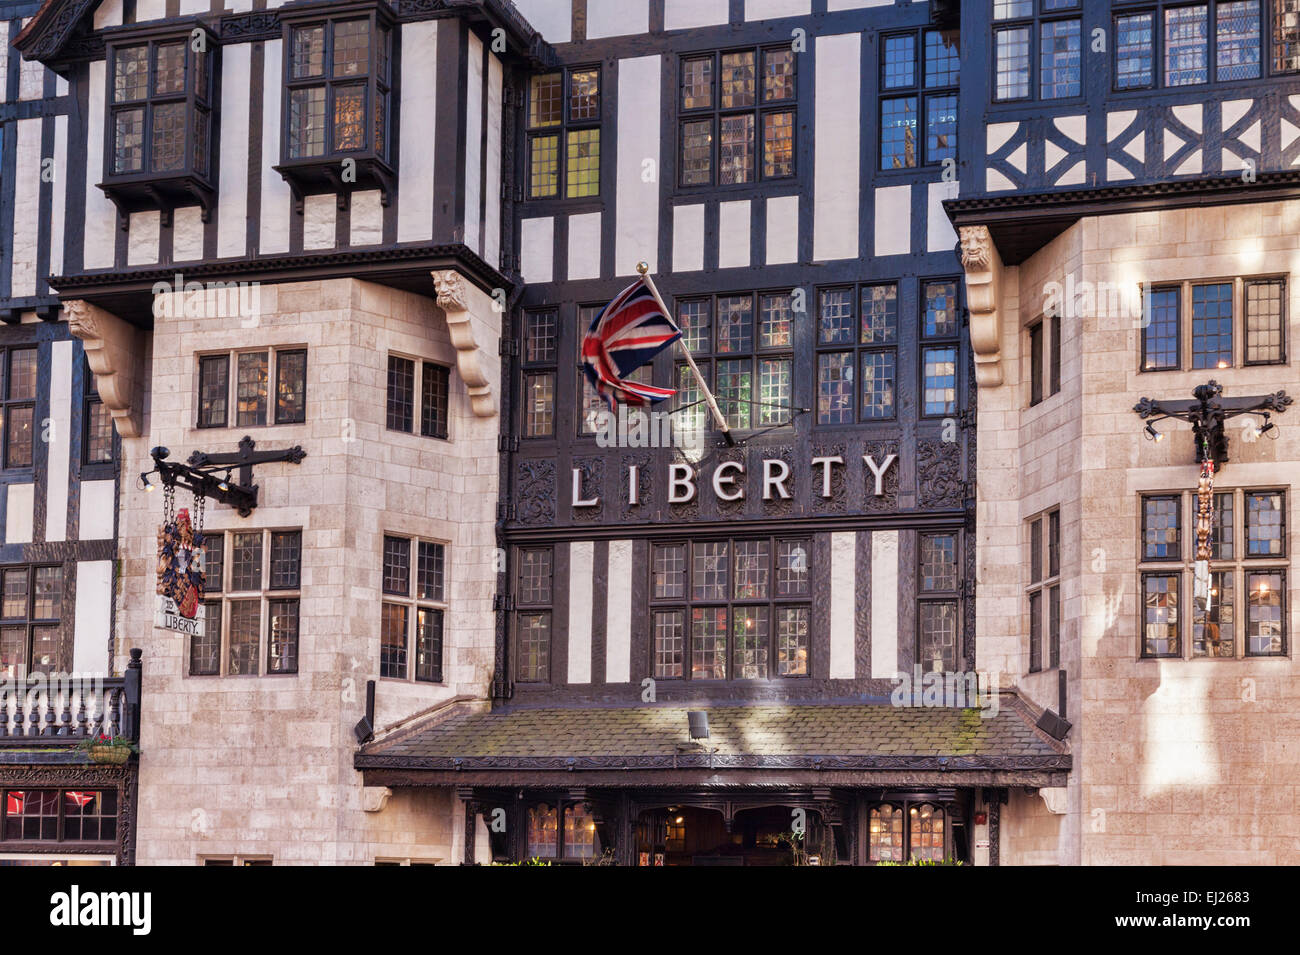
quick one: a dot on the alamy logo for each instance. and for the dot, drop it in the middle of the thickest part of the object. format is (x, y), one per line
(183, 299)
(77, 908)
(634, 428)
(949, 690)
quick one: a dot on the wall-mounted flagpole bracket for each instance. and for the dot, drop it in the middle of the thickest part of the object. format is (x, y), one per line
(213, 476)
(1207, 412)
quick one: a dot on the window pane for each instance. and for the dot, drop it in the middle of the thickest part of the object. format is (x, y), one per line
(938, 621)
(778, 74)
(697, 152)
(669, 571)
(778, 145)
(252, 388)
(774, 321)
(940, 369)
(1212, 326)
(99, 433)
(709, 576)
(1186, 46)
(899, 62)
(878, 379)
(753, 568)
(128, 140)
(737, 80)
(669, 637)
(735, 324)
(543, 166)
(736, 149)
(535, 576)
(22, 374)
(942, 58)
(1265, 628)
(1265, 524)
(885, 832)
(774, 384)
(1060, 71)
(734, 390)
(282, 647)
(351, 48)
(898, 133)
(1035, 631)
(32, 815)
(534, 647)
(546, 100)
(430, 565)
(1007, 9)
(214, 390)
(205, 651)
(689, 411)
(392, 641)
(940, 309)
(1053, 544)
(1160, 338)
(693, 320)
(169, 68)
(1036, 551)
(308, 57)
(401, 394)
(940, 128)
(584, 95)
(792, 641)
(168, 149)
(1160, 528)
(926, 831)
(245, 633)
(835, 388)
(1237, 40)
(46, 651)
(750, 639)
(1054, 361)
(1221, 536)
(697, 83)
(307, 122)
(214, 551)
(539, 405)
(428, 645)
(130, 74)
(90, 816)
(1134, 51)
(1286, 35)
(397, 566)
(1012, 51)
(349, 118)
(246, 561)
(543, 833)
(539, 336)
(290, 387)
(13, 652)
(879, 315)
(938, 562)
(18, 436)
(47, 594)
(791, 568)
(582, 173)
(286, 560)
(1160, 635)
(709, 643)
(836, 312)
(1036, 364)
(1264, 317)
(1212, 630)
(14, 604)
(1054, 626)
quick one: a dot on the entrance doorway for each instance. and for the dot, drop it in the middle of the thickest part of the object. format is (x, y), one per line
(762, 836)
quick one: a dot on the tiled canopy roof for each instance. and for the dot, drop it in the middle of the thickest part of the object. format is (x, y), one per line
(844, 737)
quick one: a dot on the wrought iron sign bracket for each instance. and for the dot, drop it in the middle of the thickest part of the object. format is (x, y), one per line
(210, 475)
(1207, 412)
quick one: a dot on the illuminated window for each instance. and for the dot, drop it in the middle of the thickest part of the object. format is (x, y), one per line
(564, 134)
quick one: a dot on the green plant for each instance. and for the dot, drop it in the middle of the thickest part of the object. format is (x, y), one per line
(798, 854)
(104, 741)
(605, 858)
(533, 861)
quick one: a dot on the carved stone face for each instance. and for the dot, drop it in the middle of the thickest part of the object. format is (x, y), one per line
(449, 286)
(976, 247)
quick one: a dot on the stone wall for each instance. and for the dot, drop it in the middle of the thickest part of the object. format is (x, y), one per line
(1175, 761)
(263, 765)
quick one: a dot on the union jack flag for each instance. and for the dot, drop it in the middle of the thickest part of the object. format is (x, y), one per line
(627, 333)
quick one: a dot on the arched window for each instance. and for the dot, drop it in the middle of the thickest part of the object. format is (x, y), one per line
(926, 835)
(885, 834)
(542, 832)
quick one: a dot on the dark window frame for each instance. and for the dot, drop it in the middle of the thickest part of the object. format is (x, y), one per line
(426, 421)
(946, 595)
(773, 603)
(62, 819)
(921, 93)
(271, 409)
(91, 405)
(534, 608)
(30, 623)
(715, 112)
(1159, 81)
(1148, 322)
(1040, 13)
(857, 349)
(1247, 285)
(1043, 592)
(544, 366)
(7, 404)
(561, 130)
(409, 597)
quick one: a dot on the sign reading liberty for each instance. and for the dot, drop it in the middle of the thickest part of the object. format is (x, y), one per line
(180, 576)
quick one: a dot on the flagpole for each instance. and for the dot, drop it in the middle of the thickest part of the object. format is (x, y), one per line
(644, 269)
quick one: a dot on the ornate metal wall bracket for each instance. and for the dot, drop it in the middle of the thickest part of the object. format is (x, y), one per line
(1206, 413)
(209, 475)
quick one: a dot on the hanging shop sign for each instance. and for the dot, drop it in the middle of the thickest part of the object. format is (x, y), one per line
(180, 572)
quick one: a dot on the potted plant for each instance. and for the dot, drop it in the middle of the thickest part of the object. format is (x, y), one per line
(109, 750)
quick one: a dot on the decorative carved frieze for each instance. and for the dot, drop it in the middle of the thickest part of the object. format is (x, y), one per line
(114, 351)
(462, 303)
(983, 265)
